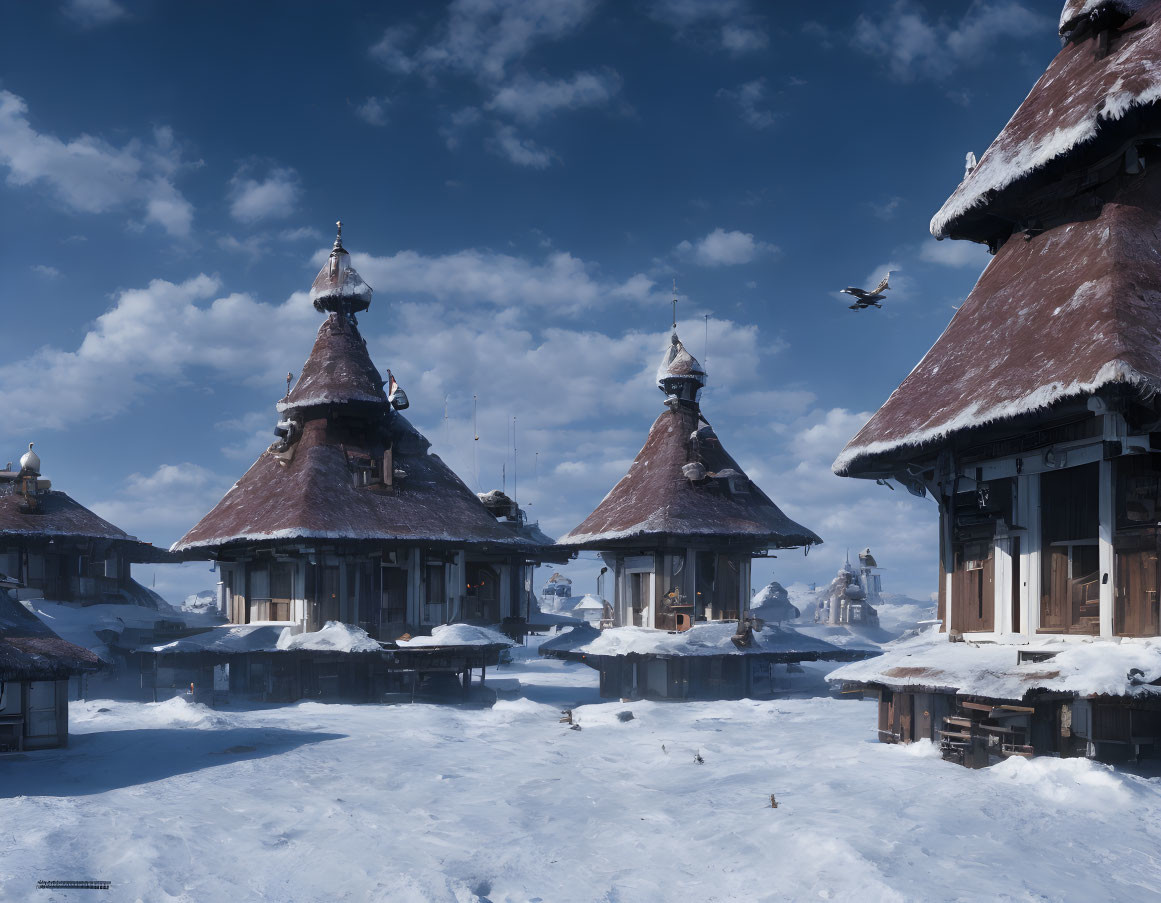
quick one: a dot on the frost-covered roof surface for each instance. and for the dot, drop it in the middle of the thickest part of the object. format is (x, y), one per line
(677, 361)
(710, 638)
(61, 515)
(457, 635)
(1063, 111)
(313, 495)
(338, 370)
(30, 650)
(654, 498)
(1070, 310)
(991, 670)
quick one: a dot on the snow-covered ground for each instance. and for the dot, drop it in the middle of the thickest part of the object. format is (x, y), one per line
(309, 802)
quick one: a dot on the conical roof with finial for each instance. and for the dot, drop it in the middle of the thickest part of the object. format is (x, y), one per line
(338, 425)
(683, 484)
(338, 371)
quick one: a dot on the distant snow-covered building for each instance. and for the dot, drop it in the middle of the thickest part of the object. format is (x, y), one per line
(849, 597)
(591, 609)
(1033, 421)
(772, 603)
(556, 594)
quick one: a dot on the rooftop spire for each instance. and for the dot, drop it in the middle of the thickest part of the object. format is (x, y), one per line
(337, 287)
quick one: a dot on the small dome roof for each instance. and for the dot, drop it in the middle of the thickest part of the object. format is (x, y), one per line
(678, 363)
(337, 287)
(30, 460)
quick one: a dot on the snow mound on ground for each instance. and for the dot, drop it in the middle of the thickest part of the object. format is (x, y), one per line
(459, 635)
(1067, 781)
(335, 636)
(111, 714)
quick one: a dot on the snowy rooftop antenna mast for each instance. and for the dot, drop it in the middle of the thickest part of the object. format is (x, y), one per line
(675, 304)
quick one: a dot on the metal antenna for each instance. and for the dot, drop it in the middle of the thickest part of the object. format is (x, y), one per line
(705, 350)
(289, 379)
(675, 304)
(475, 446)
(514, 470)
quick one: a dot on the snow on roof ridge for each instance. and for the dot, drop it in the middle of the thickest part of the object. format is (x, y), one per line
(1115, 371)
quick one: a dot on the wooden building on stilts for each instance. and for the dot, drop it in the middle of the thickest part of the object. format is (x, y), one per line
(1035, 423)
(678, 534)
(348, 516)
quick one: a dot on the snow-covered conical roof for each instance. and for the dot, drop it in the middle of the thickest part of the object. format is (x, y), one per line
(678, 363)
(338, 287)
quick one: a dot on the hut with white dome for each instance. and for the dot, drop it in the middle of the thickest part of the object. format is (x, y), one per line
(58, 549)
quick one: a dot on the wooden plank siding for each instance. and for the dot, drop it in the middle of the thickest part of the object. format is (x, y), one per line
(973, 587)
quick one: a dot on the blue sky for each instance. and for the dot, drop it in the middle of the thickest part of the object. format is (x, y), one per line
(520, 182)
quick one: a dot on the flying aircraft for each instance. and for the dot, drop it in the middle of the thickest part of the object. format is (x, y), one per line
(863, 298)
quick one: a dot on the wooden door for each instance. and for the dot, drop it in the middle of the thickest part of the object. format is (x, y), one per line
(330, 594)
(393, 614)
(1135, 605)
(973, 594)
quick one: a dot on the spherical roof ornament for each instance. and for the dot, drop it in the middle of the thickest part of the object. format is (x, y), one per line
(30, 461)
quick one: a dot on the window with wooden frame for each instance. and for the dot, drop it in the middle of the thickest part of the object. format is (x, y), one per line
(281, 590)
(1069, 551)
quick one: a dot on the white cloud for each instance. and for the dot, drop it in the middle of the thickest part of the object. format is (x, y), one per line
(90, 13)
(273, 197)
(46, 271)
(749, 99)
(90, 175)
(740, 39)
(954, 253)
(912, 45)
(888, 209)
(722, 248)
(151, 337)
(373, 111)
(457, 124)
(389, 50)
(481, 39)
(696, 20)
(167, 501)
(562, 282)
(528, 99)
(521, 151)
